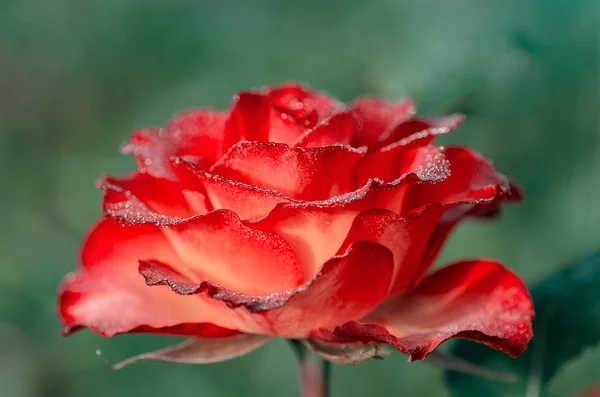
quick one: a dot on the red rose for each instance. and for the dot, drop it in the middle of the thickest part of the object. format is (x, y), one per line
(293, 215)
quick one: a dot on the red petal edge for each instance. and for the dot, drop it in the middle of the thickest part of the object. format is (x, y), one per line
(201, 351)
(142, 198)
(476, 300)
(377, 117)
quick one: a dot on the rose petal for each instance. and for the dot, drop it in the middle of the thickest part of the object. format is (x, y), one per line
(306, 106)
(151, 151)
(247, 201)
(514, 194)
(387, 163)
(128, 210)
(377, 116)
(429, 162)
(339, 129)
(418, 132)
(283, 128)
(280, 114)
(107, 295)
(407, 238)
(477, 300)
(248, 119)
(202, 330)
(201, 351)
(315, 234)
(300, 173)
(197, 135)
(220, 248)
(346, 287)
(473, 179)
(123, 196)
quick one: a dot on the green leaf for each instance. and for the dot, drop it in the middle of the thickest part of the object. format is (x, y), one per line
(567, 322)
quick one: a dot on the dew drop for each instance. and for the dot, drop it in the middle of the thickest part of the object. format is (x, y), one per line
(296, 105)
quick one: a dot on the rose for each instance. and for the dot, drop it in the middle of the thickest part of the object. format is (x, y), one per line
(295, 216)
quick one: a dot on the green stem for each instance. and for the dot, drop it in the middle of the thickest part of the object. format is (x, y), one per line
(314, 372)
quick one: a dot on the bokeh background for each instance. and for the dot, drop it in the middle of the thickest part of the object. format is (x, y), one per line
(77, 76)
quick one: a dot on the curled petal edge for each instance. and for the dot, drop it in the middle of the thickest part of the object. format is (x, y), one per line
(201, 350)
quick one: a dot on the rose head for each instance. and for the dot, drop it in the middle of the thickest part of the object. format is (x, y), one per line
(292, 215)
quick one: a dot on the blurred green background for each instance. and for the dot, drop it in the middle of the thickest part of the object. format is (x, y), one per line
(77, 76)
